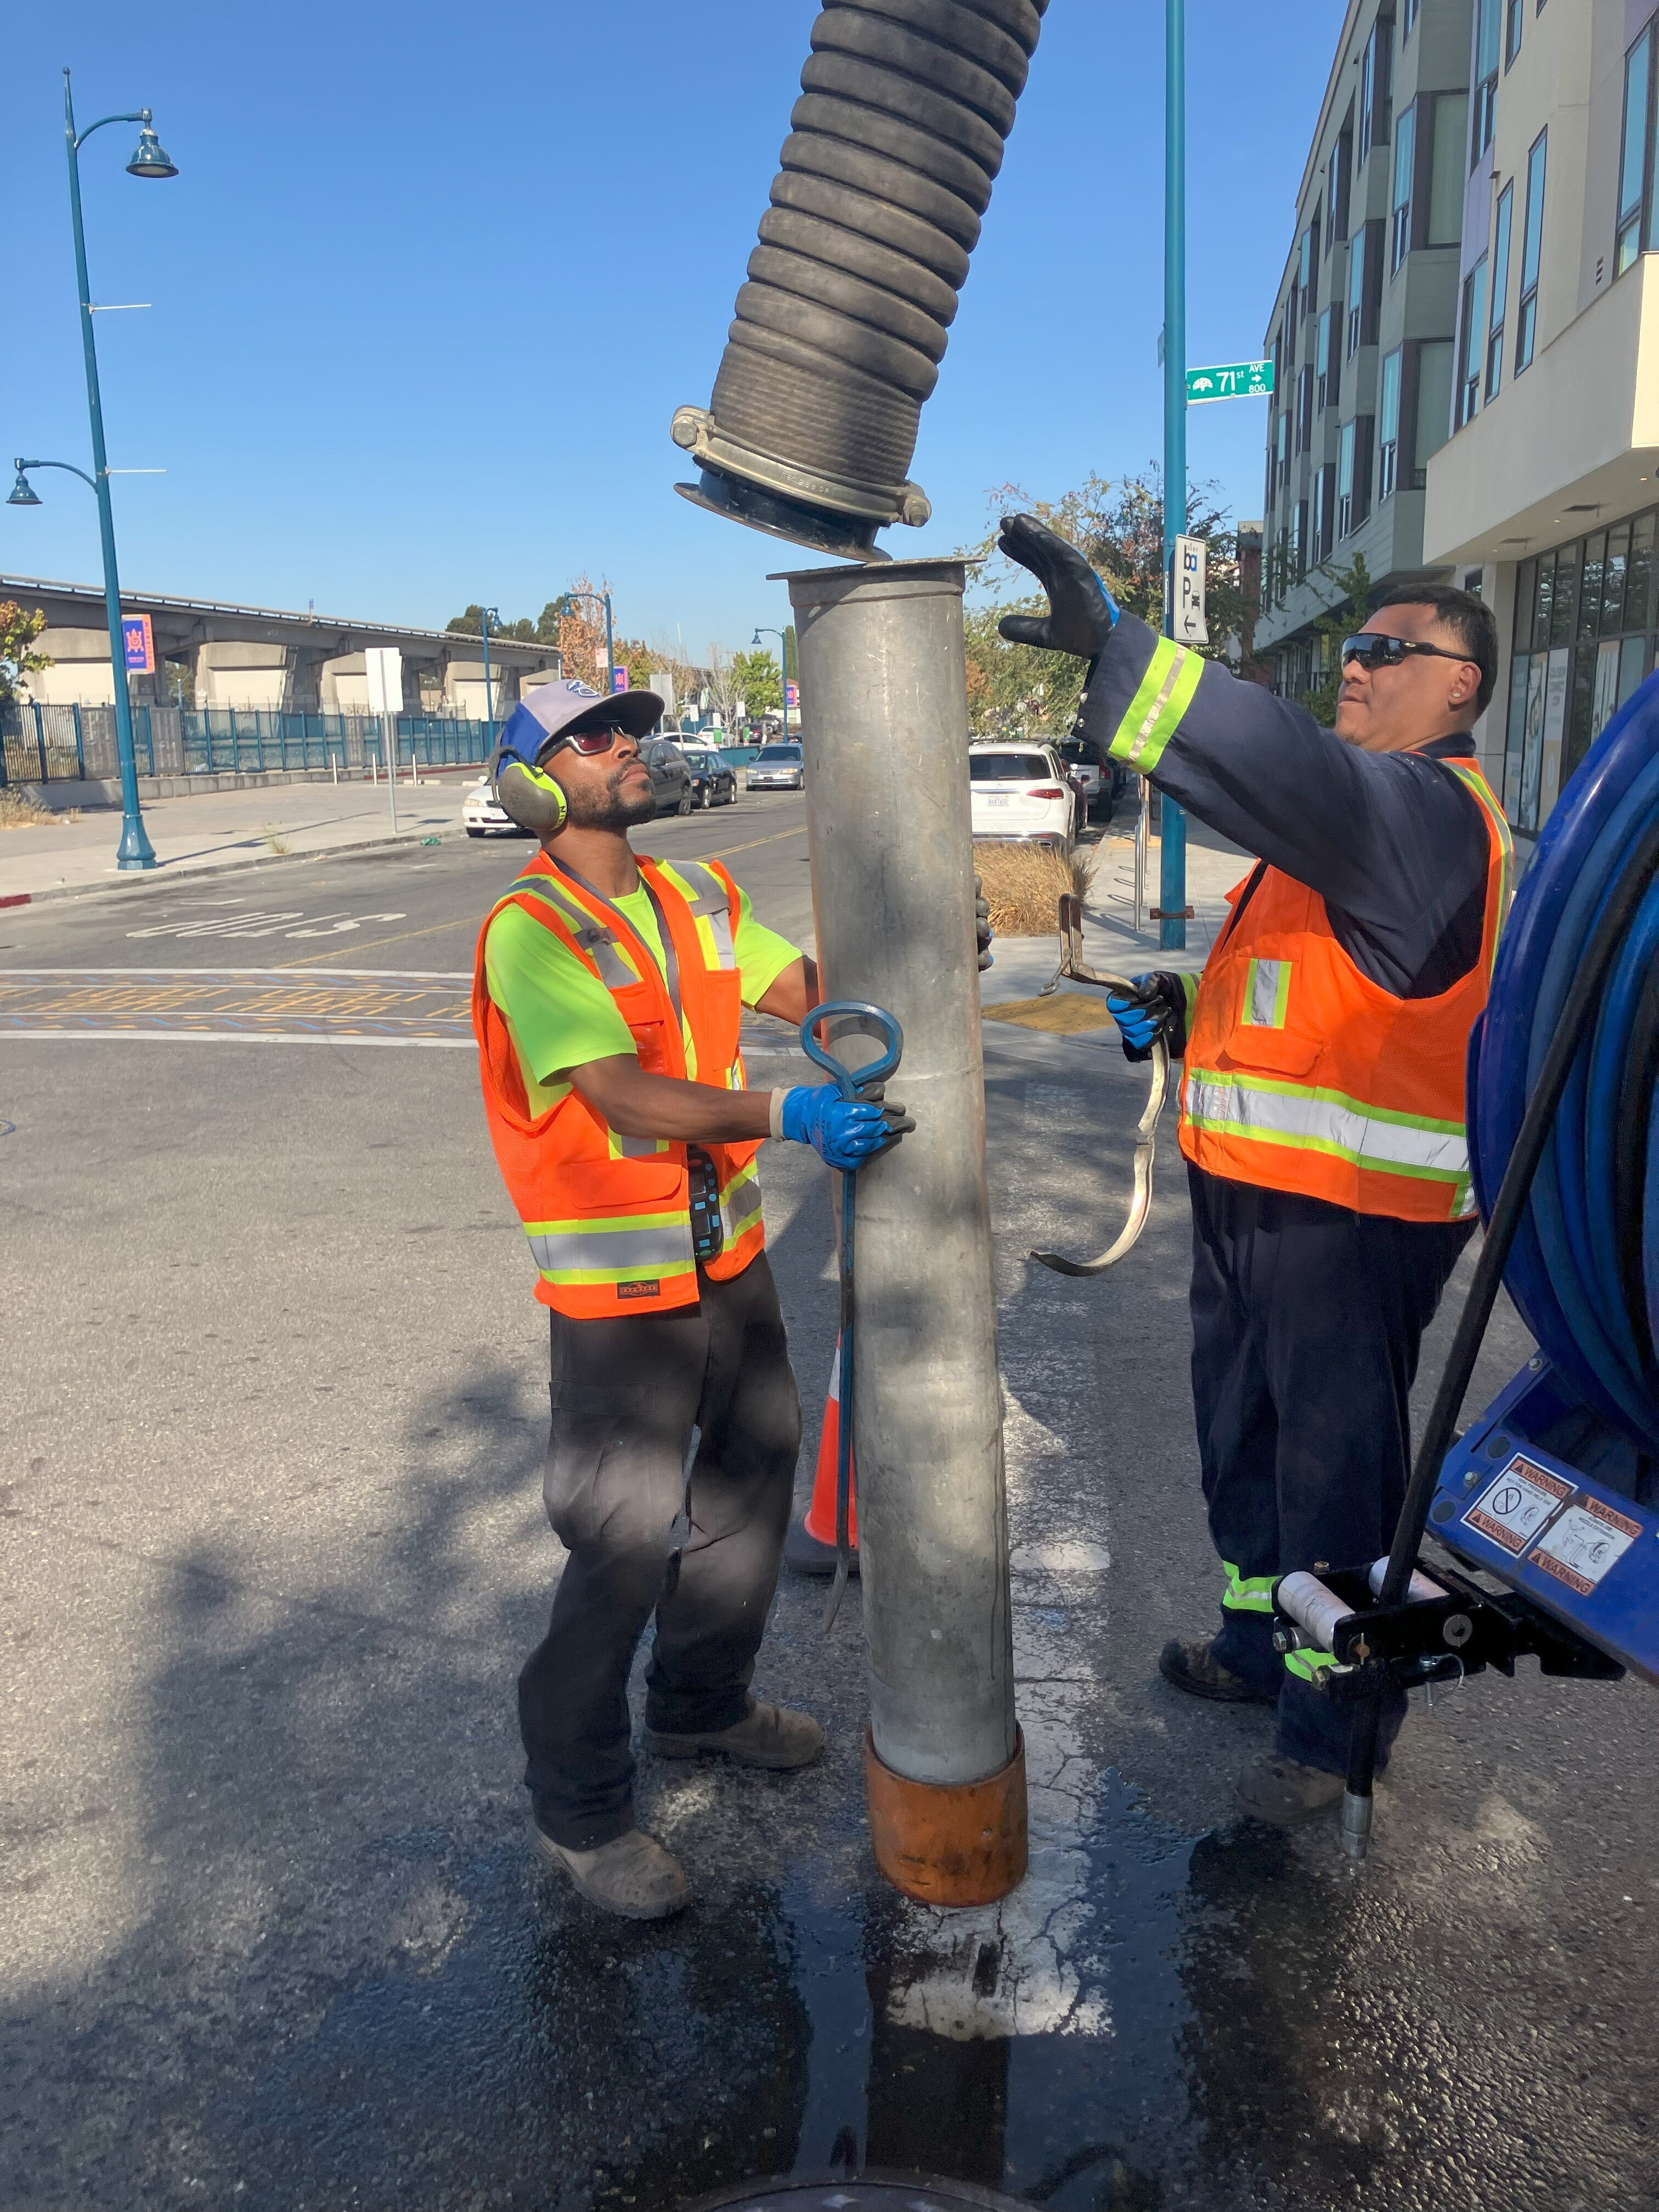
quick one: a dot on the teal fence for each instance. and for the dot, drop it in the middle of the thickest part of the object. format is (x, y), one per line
(45, 744)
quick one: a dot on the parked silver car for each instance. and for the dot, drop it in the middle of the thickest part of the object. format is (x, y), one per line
(775, 768)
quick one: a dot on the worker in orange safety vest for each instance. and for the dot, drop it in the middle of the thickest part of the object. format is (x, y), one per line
(608, 993)
(1322, 1091)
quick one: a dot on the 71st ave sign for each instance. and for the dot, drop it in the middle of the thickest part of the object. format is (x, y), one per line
(1239, 380)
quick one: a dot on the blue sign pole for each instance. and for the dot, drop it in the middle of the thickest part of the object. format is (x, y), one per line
(1172, 866)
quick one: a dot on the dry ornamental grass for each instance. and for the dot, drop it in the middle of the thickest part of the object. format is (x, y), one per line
(1024, 883)
(17, 812)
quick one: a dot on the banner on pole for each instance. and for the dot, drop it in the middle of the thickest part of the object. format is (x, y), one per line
(138, 644)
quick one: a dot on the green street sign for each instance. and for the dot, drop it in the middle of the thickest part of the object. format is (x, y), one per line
(1240, 379)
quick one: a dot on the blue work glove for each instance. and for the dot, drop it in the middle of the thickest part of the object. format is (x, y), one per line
(1082, 613)
(1145, 1018)
(844, 1133)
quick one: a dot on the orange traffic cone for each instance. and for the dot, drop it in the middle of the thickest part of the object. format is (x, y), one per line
(810, 1547)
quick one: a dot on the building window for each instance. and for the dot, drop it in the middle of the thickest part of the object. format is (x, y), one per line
(1487, 31)
(1304, 399)
(1299, 541)
(1451, 123)
(1400, 211)
(1345, 450)
(1388, 426)
(1377, 86)
(1633, 230)
(1514, 16)
(1324, 488)
(1337, 172)
(1526, 319)
(1500, 290)
(1427, 398)
(1470, 343)
(1355, 290)
(1408, 18)
(1307, 268)
(1325, 358)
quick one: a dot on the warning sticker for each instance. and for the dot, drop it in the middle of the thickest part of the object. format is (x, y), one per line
(1515, 1505)
(1587, 1539)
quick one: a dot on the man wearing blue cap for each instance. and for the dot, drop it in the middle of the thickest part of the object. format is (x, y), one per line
(607, 997)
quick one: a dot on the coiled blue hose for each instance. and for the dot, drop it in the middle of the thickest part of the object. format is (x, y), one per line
(1596, 1317)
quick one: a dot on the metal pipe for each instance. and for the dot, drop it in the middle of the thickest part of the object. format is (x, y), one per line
(1172, 830)
(880, 651)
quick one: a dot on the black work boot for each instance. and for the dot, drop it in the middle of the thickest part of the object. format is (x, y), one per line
(1286, 1793)
(1189, 1662)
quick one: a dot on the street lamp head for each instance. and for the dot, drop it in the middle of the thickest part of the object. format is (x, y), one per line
(151, 159)
(756, 639)
(23, 493)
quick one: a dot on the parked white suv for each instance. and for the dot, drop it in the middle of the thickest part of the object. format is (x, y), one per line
(1019, 791)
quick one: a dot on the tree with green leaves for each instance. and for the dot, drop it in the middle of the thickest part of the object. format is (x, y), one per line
(19, 629)
(1120, 530)
(1351, 583)
(756, 682)
(470, 624)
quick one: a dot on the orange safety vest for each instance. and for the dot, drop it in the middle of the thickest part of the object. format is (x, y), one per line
(609, 1217)
(1304, 1075)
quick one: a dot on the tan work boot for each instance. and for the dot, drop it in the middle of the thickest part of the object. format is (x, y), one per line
(1189, 1663)
(768, 1735)
(1286, 1793)
(633, 1875)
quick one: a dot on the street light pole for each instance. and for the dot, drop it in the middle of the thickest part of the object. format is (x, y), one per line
(1172, 864)
(783, 664)
(486, 616)
(135, 851)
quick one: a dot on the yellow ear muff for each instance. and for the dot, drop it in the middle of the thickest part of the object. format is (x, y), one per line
(531, 799)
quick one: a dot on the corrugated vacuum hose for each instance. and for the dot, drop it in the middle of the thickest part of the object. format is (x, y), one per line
(839, 329)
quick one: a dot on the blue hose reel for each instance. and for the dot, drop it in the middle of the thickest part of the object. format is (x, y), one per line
(1554, 1489)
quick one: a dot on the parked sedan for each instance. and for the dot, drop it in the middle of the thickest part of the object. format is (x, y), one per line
(775, 768)
(1020, 793)
(670, 778)
(483, 815)
(1090, 775)
(714, 780)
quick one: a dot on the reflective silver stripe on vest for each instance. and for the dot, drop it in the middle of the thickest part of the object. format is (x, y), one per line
(1279, 1113)
(611, 1251)
(710, 902)
(636, 1148)
(740, 1202)
(592, 937)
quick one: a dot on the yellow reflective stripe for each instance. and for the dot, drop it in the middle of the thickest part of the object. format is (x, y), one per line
(1485, 799)
(740, 1201)
(1307, 1664)
(1247, 1593)
(1305, 1118)
(1155, 711)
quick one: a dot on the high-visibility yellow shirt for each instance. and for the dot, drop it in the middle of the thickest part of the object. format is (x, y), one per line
(558, 1013)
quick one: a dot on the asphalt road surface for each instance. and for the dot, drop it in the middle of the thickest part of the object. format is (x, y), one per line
(273, 1549)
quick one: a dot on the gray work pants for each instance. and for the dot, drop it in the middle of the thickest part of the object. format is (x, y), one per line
(625, 1393)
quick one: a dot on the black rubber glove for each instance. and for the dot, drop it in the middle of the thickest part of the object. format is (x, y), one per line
(1081, 610)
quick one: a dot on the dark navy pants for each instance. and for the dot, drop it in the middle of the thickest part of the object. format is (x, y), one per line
(1307, 1321)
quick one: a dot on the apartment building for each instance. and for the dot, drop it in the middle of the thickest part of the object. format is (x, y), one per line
(1546, 495)
(1363, 332)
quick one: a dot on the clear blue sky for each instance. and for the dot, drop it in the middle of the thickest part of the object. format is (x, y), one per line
(432, 281)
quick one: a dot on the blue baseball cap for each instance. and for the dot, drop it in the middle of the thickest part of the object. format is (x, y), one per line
(551, 713)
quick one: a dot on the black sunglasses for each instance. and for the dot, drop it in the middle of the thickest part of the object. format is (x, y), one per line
(1372, 650)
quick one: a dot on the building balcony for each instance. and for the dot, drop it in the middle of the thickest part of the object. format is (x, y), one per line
(1574, 437)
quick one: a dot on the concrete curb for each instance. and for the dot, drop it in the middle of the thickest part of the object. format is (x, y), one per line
(148, 882)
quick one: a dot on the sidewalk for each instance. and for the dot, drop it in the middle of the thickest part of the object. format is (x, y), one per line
(210, 831)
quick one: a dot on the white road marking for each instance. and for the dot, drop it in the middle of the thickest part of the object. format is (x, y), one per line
(249, 1036)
